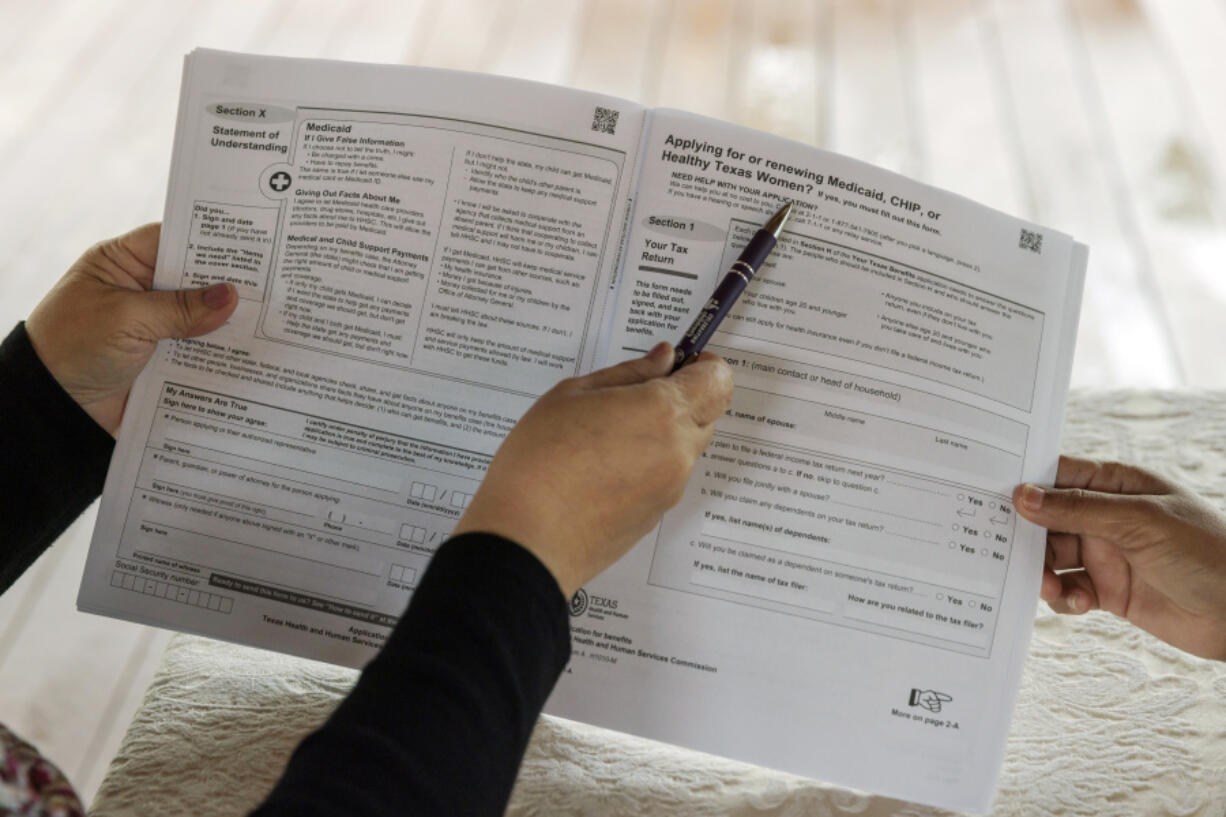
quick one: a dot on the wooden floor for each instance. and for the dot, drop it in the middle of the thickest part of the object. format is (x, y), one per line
(1102, 118)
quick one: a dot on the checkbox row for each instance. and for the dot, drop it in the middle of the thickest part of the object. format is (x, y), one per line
(171, 592)
(400, 573)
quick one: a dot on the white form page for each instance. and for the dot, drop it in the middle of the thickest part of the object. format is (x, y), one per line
(845, 591)
(419, 254)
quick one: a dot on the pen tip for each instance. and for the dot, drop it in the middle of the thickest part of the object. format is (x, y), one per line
(775, 225)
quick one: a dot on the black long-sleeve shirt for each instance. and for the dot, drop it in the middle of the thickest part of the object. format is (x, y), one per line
(52, 462)
(438, 721)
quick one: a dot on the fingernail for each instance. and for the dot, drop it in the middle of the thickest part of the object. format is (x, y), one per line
(1032, 497)
(217, 296)
(1075, 601)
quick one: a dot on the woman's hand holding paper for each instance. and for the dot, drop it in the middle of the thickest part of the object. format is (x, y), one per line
(1135, 544)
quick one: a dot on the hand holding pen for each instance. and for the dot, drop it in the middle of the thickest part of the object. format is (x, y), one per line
(737, 278)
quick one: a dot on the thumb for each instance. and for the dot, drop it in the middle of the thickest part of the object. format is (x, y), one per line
(707, 386)
(186, 313)
(1077, 510)
(655, 363)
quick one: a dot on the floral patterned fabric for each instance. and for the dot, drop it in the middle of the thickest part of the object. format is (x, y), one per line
(31, 785)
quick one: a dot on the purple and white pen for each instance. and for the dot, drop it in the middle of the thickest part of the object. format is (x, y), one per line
(737, 278)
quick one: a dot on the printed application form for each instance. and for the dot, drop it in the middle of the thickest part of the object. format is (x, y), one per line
(844, 591)
(845, 585)
(409, 279)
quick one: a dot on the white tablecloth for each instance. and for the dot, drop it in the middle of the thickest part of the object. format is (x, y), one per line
(1109, 721)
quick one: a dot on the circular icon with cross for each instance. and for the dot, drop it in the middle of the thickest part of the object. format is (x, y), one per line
(276, 181)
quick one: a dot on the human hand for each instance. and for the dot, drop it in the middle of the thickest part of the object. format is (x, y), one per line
(99, 325)
(596, 461)
(1134, 544)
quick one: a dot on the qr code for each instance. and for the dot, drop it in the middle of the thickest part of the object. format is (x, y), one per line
(1031, 241)
(605, 120)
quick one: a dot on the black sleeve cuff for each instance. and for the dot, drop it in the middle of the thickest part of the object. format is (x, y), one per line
(54, 457)
(439, 720)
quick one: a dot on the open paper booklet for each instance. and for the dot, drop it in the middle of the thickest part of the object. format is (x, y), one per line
(844, 592)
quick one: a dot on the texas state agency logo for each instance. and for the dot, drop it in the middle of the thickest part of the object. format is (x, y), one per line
(578, 603)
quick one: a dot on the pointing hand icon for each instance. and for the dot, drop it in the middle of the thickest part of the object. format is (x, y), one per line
(930, 699)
